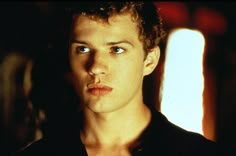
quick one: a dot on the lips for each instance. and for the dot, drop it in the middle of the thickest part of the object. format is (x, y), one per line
(99, 89)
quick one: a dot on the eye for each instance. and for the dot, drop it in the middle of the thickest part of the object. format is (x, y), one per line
(118, 50)
(82, 49)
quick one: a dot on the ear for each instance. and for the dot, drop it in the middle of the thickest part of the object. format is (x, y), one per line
(151, 60)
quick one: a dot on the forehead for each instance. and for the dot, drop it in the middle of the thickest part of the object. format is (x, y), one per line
(125, 16)
(116, 23)
(97, 33)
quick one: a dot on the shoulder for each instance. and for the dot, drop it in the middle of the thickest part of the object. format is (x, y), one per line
(66, 144)
(181, 140)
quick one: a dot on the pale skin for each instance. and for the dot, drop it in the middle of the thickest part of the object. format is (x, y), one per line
(110, 55)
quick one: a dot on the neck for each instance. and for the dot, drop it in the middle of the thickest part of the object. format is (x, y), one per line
(120, 127)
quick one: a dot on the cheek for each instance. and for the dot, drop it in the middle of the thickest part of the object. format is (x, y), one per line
(77, 65)
(77, 73)
(131, 71)
(136, 65)
(77, 82)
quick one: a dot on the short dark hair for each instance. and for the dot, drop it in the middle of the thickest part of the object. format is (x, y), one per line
(145, 14)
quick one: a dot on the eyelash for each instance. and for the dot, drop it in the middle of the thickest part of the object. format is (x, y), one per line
(81, 50)
(78, 49)
(114, 50)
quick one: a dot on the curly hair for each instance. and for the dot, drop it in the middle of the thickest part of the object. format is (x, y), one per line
(145, 14)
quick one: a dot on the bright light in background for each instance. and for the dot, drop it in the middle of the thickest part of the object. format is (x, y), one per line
(183, 81)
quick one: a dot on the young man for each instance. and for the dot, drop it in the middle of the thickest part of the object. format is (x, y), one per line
(112, 47)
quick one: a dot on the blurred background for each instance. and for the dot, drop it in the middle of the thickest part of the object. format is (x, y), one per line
(26, 31)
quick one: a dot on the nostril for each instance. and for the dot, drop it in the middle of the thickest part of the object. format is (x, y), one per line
(91, 73)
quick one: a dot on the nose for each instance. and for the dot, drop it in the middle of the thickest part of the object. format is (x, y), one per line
(98, 64)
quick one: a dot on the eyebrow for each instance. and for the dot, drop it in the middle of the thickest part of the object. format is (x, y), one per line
(109, 43)
(120, 42)
(76, 41)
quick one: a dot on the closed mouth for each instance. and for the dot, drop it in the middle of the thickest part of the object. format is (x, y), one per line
(99, 89)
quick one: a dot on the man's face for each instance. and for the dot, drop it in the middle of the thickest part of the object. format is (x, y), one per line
(107, 63)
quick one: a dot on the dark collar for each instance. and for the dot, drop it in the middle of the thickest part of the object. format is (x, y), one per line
(155, 135)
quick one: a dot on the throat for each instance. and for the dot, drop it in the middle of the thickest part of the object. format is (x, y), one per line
(111, 150)
(104, 136)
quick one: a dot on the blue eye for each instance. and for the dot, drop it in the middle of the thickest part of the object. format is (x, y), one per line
(118, 50)
(82, 49)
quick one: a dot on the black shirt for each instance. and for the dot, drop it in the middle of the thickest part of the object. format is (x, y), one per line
(160, 138)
